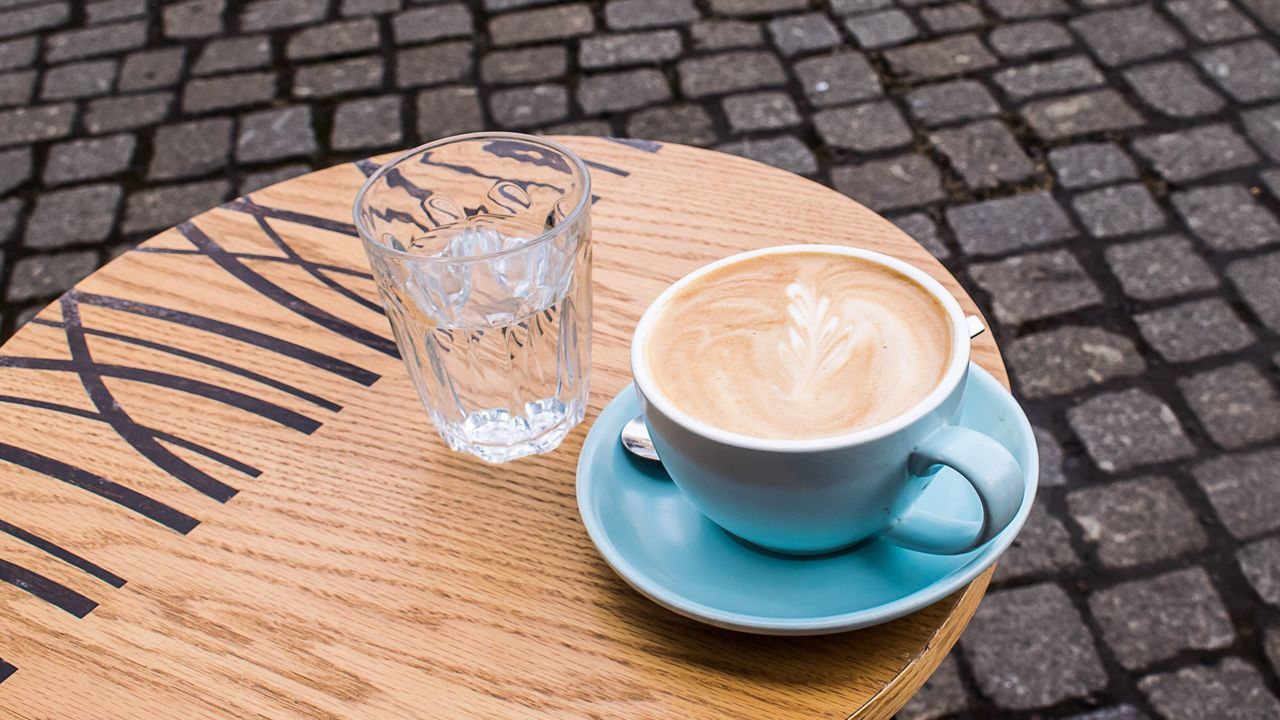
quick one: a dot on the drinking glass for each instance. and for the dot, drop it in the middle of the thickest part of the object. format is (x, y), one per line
(480, 246)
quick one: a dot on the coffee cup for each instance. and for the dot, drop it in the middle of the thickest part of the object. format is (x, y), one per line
(802, 397)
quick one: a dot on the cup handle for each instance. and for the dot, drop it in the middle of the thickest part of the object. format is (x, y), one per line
(989, 468)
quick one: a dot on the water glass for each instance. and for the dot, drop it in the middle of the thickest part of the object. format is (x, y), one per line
(480, 246)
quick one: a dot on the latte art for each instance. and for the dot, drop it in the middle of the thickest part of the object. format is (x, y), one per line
(799, 345)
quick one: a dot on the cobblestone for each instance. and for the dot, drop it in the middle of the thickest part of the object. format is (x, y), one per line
(374, 122)
(511, 67)
(88, 159)
(108, 10)
(755, 7)
(17, 168)
(1090, 164)
(17, 53)
(868, 127)
(729, 72)
(340, 77)
(193, 19)
(1029, 38)
(1211, 20)
(1118, 210)
(634, 14)
(1030, 648)
(1260, 562)
(1136, 522)
(90, 42)
(786, 152)
(1248, 71)
(275, 134)
(1133, 614)
(1273, 647)
(1051, 458)
(1236, 404)
(608, 51)
(1036, 285)
(985, 153)
(228, 91)
(432, 23)
(627, 90)
(16, 88)
(1019, 9)
(760, 111)
(337, 38)
(1049, 77)
(1240, 486)
(1227, 217)
(447, 111)
(528, 106)
(923, 230)
(1087, 112)
(1230, 690)
(1263, 128)
(37, 17)
(1194, 330)
(1021, 221)
(1255, 279)
(901, 181)
(48, 275)
(1070, 358)
(237, 53)
(168, 205)
(75, 80)
(34, 124)
(1160, 268)
(83, 214)
(838, 78)
(1042, 548)
(553, 23)
(256, 181)
(190, 149)
(882, 29)
(273, 14)
(1125, 429)
(725, 34)
(151, 69)
(1123, 35)
(1196, 153)
(797, 34)
(433, 64)
(940, 58)
(129, 111)
(1173, 88)
(947, 102)
(687, 124)
(952, 17)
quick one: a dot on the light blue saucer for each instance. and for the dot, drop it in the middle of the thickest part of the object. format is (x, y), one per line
(673, 555)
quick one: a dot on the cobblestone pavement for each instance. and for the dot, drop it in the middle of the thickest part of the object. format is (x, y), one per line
(1103, 175)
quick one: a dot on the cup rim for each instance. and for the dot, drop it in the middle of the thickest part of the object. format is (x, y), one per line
(955, 372)
(366, 234)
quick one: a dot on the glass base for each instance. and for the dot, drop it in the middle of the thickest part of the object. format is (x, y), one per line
(497, 436)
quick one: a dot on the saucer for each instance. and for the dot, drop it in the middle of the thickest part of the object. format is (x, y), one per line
(675, 556)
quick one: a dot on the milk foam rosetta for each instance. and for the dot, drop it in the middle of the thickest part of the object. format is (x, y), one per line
(799, 345)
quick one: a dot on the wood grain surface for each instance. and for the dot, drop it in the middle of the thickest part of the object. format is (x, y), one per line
(219, 496)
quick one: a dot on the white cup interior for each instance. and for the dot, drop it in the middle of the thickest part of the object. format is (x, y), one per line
(954, 373)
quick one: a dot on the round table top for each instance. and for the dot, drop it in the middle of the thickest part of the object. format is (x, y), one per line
(222, 497)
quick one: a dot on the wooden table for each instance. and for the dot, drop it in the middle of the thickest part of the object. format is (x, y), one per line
(221, 498)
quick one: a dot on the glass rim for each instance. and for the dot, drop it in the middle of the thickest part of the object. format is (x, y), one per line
(366, 235)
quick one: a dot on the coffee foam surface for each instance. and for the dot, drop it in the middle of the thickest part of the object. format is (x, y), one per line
(799, 345)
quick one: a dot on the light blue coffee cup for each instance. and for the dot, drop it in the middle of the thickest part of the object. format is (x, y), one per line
(820, 495)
